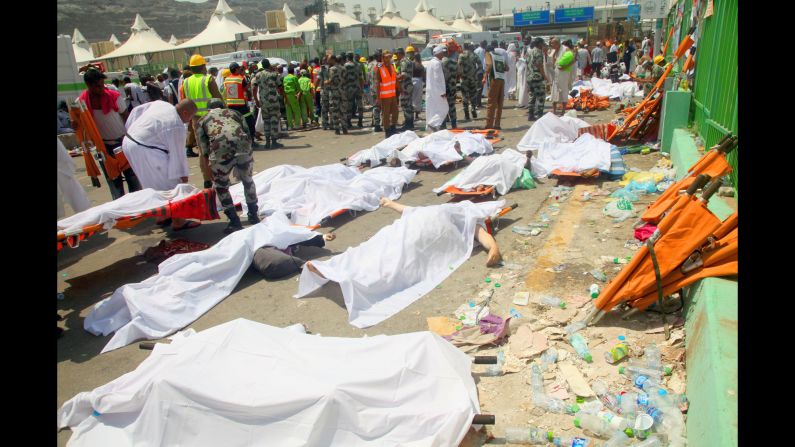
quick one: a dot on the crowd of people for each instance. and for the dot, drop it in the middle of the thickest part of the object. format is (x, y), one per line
(159, 122)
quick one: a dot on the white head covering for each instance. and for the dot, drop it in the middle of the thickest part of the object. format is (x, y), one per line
(511, 47)
(439, 49)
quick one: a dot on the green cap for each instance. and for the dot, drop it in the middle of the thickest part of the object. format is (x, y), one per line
(577, 422)
(488, 279)
(668, 370)
(580, 399)
(562, 305)
(629, 432)
(496, 284)
(588, 358)
(574, 408)
(621, 370)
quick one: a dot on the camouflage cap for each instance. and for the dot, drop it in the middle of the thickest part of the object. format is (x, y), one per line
(215, 103)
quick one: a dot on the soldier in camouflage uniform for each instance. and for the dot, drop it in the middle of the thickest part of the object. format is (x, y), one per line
(223, 137)
(337, 110)
(351, 75)
(267, 85)
(373, 80)
(450, 68)
(406, 69)
(536, 79)
(322, 85)
(358, 98)
(468, 65)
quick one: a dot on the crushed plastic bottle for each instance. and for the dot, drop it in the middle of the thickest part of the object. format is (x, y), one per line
(552, 301)
(574, 327)
(629, 405)
(652, 356)
(496, 369)
(607, 398)
(524, 231)
(619, 210)
(593, 423)
(549, 356)
(571, 441)
(618, 439)
(625, 194)
(580, 346)
(598, 275)
(619, 351)
(544, 401)
(527, 436)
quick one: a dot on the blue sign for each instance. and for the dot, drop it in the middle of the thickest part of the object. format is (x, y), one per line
(633, 12)
(574, 15)
(531, 18)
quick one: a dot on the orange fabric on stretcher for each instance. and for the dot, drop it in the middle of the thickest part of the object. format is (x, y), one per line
(460, 192)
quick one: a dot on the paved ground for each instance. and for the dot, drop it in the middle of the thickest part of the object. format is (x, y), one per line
(578, 235)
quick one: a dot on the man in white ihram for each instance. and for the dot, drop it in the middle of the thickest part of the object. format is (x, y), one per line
(436, 106)
(154, 144)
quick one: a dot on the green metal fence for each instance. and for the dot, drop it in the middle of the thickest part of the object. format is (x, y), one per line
(715, 85)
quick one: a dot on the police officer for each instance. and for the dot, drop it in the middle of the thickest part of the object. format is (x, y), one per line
(337, 110)
(405, 71)
(358, 98)
(223, 138)
(322, 86)
(451, 75)
(536, 79)
(468, 64)
(351, 85)
(267, 86)
(376, 62)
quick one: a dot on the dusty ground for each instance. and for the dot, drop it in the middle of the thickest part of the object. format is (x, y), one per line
(578, 235)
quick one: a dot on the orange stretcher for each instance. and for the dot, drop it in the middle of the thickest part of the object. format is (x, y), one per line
(200, 206)
(492, 222)
(588, 101)
(489, 191)
(492, 135)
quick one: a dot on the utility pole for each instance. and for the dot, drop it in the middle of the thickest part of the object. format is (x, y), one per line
(321, 4)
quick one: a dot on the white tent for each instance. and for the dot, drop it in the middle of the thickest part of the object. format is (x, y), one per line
(173, 40)
(475, 22)
(330, 17)
(275, 36)
(425, 21)
(391, 17)
(222, 28)
(290, 21)
(461, 24)
(81, 48)
(114, 40)
(143, 40)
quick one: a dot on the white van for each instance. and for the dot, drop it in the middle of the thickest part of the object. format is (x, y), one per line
(476, 37)
(221, 61)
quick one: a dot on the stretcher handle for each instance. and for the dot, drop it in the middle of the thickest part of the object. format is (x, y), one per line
(484, 419)
(699, 182)
(146, 345)
(485, 360)
(722, 141)
(507, 209)
(711, 189)
(729, 146)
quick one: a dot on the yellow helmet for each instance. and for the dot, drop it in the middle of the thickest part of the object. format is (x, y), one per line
(659, 58)
(362, 59)
(394, 57)
(197, 60)
(409, 49)
(225, 72)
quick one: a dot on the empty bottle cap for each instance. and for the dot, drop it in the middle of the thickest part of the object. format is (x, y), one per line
(575, 408)
(588, 358)
(621, 370)
(488, 279)
(662, 392)
(577, 422)
(667, 370)
(580, 399)
(562, 305)
(629, 432)
(496, 284)
(622, 338)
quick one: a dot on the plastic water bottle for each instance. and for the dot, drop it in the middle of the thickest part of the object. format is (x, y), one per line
(642, 365)
(629, 405)
(581, 347)
(593, 423)
(599, 275)
(605, 396)
(526, 436)
(652, 357)
(552, 301)
(549, 356)
(521, 230)
(619, 439)
(540, 397)
(496, 370)
(633, 372)
(619, 351)
(591, 407)
(594, 291)
(574, 327)
(651, 441)
(571, 441)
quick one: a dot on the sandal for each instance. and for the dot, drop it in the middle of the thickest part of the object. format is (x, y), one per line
(188, 225)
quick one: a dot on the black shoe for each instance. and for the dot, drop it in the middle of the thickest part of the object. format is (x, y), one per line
(326, 128)
(378, 129)
(345, 131)
(59, 331)
(466, 115)
(337, 132)
(531, 117)
(234, 222)
(359, 126)
(208, 184)
(275, 144)
(453, 124)
(267, 143)
(474, 113)
(253, 217)
(189, 153)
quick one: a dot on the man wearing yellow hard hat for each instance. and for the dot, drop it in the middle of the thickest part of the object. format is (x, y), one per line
(200, 87)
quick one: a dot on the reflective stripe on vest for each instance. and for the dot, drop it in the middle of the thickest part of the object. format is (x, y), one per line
(387, 87)
(235, 95)
(198, 89)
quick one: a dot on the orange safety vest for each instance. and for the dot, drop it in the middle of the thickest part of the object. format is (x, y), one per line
(387, 87)
(233, 86)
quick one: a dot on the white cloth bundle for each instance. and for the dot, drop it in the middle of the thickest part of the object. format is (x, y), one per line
(550, 129)
(403, 261)
(439, 147)
(498, 170)
(244, 383)
(187, 285)
(384, 149)
(587, 152)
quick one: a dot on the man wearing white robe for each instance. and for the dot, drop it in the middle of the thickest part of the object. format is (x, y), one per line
(522, 93)
(69, 188)
(436, 106)
(510, 76)
(154, 144)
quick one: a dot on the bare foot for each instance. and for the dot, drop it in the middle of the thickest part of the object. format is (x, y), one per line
(493, 258)
(313, 269)
(329, 237)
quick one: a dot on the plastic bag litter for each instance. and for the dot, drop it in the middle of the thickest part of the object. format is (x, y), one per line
(643, 176)
(525, 181)
(663, 185)
(625, 194)
(620, 210)
(645, 187)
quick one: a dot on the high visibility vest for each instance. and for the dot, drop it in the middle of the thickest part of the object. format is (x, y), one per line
(235, 94)
(387, 87)
(197, 88)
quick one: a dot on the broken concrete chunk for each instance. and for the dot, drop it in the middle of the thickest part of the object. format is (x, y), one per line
(575, 379)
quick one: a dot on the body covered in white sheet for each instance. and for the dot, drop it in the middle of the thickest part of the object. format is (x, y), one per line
(551, 128)
(445, 146)
(498, 170)
(244, 384)
(586, 153)
(403, 261)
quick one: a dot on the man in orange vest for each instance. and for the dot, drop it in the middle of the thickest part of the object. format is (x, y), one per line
(385, 91)
(238, 95)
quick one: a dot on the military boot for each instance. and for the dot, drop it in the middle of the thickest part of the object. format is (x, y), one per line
(453, 124)
(466, 114)
(234, 222)
(267, 142)
(275, 144)
(360, 125)
(253, 218)
(378, 129)
(337, 131)
(474, 113)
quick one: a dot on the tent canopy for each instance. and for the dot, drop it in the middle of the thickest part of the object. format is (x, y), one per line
(222, 28)
(330, 17)
(173, 40)
(391, 17)
(81, 47)
(275, 36)
(114, 40)
(290, 21)
(424, 21)
(475, 21)
(143, 40)
(461, 24)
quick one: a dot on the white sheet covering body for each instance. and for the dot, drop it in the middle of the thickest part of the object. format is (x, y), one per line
(498, 170)
(439, 147)
(550, 128)
(605, 87)
(309, 195)
(403, 261)
(69, 188)
(126, 205)
(244, 383)
(587, 152)
(187, 285)
(382, 150)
